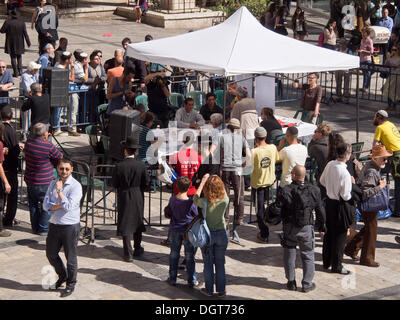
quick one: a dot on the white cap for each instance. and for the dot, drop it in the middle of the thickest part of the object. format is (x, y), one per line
(383, 113)
(84, 55)
(34, 66)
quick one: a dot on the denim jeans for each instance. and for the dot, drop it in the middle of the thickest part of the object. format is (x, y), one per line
(39, 217)
(366, 75)
(55, 117)
(177, 238)
(214, 254)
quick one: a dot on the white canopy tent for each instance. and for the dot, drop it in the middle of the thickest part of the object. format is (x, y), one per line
(241, 45)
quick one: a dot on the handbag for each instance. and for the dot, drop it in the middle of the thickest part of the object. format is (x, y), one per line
(197, 233)
(169, 175)
(378, 202)
(382, 215)
(272, 214)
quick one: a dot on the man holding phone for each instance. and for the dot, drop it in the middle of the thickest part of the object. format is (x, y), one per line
(62, 202)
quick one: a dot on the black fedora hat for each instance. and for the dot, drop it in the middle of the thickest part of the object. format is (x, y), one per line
(132, 142)
(14, 14)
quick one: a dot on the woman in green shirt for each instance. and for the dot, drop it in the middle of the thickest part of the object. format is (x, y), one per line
(214, 252)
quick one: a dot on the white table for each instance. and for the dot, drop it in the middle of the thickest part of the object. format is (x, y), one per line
(306, 130)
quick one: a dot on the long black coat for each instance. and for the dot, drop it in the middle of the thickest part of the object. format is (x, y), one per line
(130, 178)
(15, 31)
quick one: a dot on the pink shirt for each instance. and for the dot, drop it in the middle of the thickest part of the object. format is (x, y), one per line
(366, 44)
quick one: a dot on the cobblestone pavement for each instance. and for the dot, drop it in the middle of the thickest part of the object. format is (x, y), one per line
(254, 270)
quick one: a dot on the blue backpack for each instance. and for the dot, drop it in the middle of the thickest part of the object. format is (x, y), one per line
(197, 232)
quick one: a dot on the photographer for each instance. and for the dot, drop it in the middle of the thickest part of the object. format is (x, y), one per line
(158, 95)
(120, 91)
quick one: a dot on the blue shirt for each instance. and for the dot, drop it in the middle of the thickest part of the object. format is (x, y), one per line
(4, 79)
(44, 60)
(387, 23)
(27, 79)
(72, 194)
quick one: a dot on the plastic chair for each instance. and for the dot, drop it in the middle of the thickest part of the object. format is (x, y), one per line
(142, 99)
(101, 111)
(199, 98)
(279, 138)
(93, 140)
(357, 149)
(176, 99)
(220, 97)
(304, 115)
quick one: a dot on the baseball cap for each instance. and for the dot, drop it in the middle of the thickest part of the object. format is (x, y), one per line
(34, 66)
(260, 132)
(382, 113)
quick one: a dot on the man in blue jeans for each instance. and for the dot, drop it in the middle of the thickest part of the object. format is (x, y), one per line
(39, 154)
(181, 211)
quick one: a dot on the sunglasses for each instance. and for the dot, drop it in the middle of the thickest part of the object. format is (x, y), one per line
(64, 169)
(3, 67)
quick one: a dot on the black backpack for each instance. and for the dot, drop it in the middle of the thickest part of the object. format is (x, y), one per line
(301, 206)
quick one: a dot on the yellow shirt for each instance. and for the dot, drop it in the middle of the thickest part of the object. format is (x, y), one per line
(388, 134)
(264, 159)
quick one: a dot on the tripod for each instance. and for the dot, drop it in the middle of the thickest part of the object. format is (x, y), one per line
(58, 143)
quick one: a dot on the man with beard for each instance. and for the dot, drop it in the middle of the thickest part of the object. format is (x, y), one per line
(386, 133)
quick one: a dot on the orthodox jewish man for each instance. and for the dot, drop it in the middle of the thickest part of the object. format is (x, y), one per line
(130, 179)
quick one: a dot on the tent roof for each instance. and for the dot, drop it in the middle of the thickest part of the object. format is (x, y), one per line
(241, 45)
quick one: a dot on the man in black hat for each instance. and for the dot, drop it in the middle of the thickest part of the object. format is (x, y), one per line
(130, 179)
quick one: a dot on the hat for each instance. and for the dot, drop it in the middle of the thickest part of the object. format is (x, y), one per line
(241, 92)
(34, 66)
(379, 151)
(382, 113)
(83, 55)
(260, 132)
(132, 142)
(235, 123)
(14, 14)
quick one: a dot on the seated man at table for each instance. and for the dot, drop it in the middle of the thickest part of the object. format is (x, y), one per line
(210, 107)
(292, 155)
(270, 124)
(186, 117)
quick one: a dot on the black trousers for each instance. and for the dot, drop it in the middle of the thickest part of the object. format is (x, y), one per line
(334, 238)
(12, 198)
(65, 236)
(127, 243)
(261, 195)
(16, 63)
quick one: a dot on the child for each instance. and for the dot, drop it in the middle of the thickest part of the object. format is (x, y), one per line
(181, 211)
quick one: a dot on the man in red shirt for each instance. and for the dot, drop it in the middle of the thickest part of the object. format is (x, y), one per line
(187, 161)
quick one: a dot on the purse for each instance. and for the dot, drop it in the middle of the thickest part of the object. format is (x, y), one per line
(378, 202)
(197, 233)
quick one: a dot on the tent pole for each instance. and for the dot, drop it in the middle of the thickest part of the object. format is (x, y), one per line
(253, 86)
(224, 103)
(357, 106)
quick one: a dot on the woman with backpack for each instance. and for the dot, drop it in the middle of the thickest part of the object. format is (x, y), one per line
(214, 202)
(299, 25)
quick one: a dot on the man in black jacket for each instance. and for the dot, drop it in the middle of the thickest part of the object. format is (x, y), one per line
(297, 202)
(10, 165)
(15, 31)
(39, 104)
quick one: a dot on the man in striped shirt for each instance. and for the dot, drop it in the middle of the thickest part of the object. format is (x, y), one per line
(39, 154)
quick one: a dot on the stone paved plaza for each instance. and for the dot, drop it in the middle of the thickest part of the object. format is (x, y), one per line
(254, 270)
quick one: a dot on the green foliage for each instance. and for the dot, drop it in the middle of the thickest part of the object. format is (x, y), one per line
(256, 7)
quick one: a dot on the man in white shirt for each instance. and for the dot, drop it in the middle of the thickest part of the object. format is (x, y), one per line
(186, 117)
(337, 181)
(292, 155)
